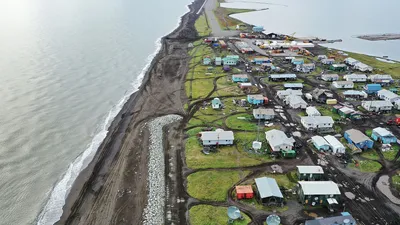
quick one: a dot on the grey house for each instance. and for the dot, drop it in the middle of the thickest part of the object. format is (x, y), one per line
(268, 191)
(263, 114)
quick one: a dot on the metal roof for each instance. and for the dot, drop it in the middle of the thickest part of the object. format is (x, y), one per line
(354, 92)
(295, 99)
(256, 97)
(310, 169)
(346, 110)
(317, 119)
(350, 60)
(344, 82)
(217, 135)
(289, 92)
(278, 137)
(356, 76)
(282, 76)
(319, 188)
(332, 141)
(267, 187)
(380, 77)
(382, 132)
(240, 76)
(378, 103)
(387, 94)
(318, 140)
(339, 65)
(262, 111)
(357, 136)
(244, 189)
(330, 75)
(312, 110)
(332, 220)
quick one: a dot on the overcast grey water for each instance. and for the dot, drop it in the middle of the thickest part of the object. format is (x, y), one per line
(331, 19)
(66, 68)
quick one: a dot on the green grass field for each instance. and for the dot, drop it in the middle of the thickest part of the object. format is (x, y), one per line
(202, 26)
(212, 215)
(370, 154)
(213, 185)
(368, 166)
(396, 181)
(327, 111)
(245, 124)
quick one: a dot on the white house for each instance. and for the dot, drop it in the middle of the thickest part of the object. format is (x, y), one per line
(377, 106)
(343, 84)
(278, 140)
(263, 114)
(329, 77)
(355, 94)
(381, 78)
(317, 122)
(387, 95)
(320, 143)
(217, 137)
(335, 145)
(295, 102)
(363, 67)
(321, 57)
(351, 61)
(328, 61)
(356, 77)
(312, 111)
(283, 93)
(397, 104)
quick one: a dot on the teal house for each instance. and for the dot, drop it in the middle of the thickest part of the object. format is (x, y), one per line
(216, 103)
(255, 99)
(206, 61)
(240, 78)
(383, 135)
(296, 61)
(230, 60)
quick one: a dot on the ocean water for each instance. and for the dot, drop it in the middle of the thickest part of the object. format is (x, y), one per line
(333, 19)
(66, 68)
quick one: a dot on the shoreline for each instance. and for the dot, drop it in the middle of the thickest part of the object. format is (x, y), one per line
(126, 143)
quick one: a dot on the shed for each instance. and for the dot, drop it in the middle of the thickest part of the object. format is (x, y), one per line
(343, 84)
(318, 192)
(293, 86)
(331, 101)
(278, 140)
(372, 88)
(309, 173)
(320, 143)
(218, 137)
(244, 192)
(377, 106)
(218, 61)
(383, 135)
(240, 78)
(268, 190)
(216, 103)
(264, 114)
(329, 77)
(335, 145)
(312, 111)
(358, 139)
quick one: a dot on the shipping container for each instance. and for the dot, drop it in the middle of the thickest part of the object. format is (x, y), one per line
(331, 101)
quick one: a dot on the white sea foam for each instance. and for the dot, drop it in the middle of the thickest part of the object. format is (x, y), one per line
(52, 211)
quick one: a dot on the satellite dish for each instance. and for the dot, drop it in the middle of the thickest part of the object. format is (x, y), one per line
(257, 145)
(273, 220)
(233, 213)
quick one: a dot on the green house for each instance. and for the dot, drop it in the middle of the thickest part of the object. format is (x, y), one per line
(315, 193)
(338, 67)
(309, 173)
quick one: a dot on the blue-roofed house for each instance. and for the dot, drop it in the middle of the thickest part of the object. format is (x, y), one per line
(372, 88)
(256, 99)
(383, 135)
(240, 78)
(344, 219)
(258, 29)
(320, 143)
(358, 139)
(297, 61)
(293, 86)
(268, 190)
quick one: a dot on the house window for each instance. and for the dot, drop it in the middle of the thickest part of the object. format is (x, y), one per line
(209, 141)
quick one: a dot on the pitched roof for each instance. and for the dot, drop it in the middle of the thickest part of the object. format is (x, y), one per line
(333, 141)
(356, 76)
(317, 92)
(289, 92)
(320, 141)
(377, 103)
(278, 137)
(244, 189)
(262, 111)
(357, 136)
(240, 76)
(387, 93)
(282, 76)
(295, 99)
(317, 119)
(267, 187)
(380, 77)
(382, 132)
(293, 85)
(329, 75)
(319, 188)
(310, 169)
(354, 92)
(332, 220)
(350, 60)
(343, 82)
(219, 134)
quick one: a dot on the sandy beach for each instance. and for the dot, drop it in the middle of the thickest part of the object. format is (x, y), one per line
(113, 188)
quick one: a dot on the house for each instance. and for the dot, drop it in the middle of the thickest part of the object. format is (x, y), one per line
(282, 77)
(312, 111)
(338, 67)
(207, 61)
(397, 104)
(320, 143)
(350, 61)
(321, 57)
(297, 61)
(245, 85)
(383, 135)
(355, 94)
(310, 173)
(230, 60)
(307, 67)
(377, 106)
(295, 102)
(387, 95)
(358, 139)
(347, 112)
(283, 93)
(343, 84)
(258, 29)
(317, 122)
(344, 219)
(381, 79)
(263, 114)
(218, 61)
(240, 78)
(318, 192)
(257, 99)
(217, 137)
(293, 86)
(268, 190)
(356, 77)
(260, 61)
(335, 145)
(321, 95)
(216, 103)
(372, 88)
(363, 67)
(278, 141)
(244, 192)
(328, 61)
(329, 77)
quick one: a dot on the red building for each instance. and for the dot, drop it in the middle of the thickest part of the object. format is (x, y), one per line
(244, 192)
